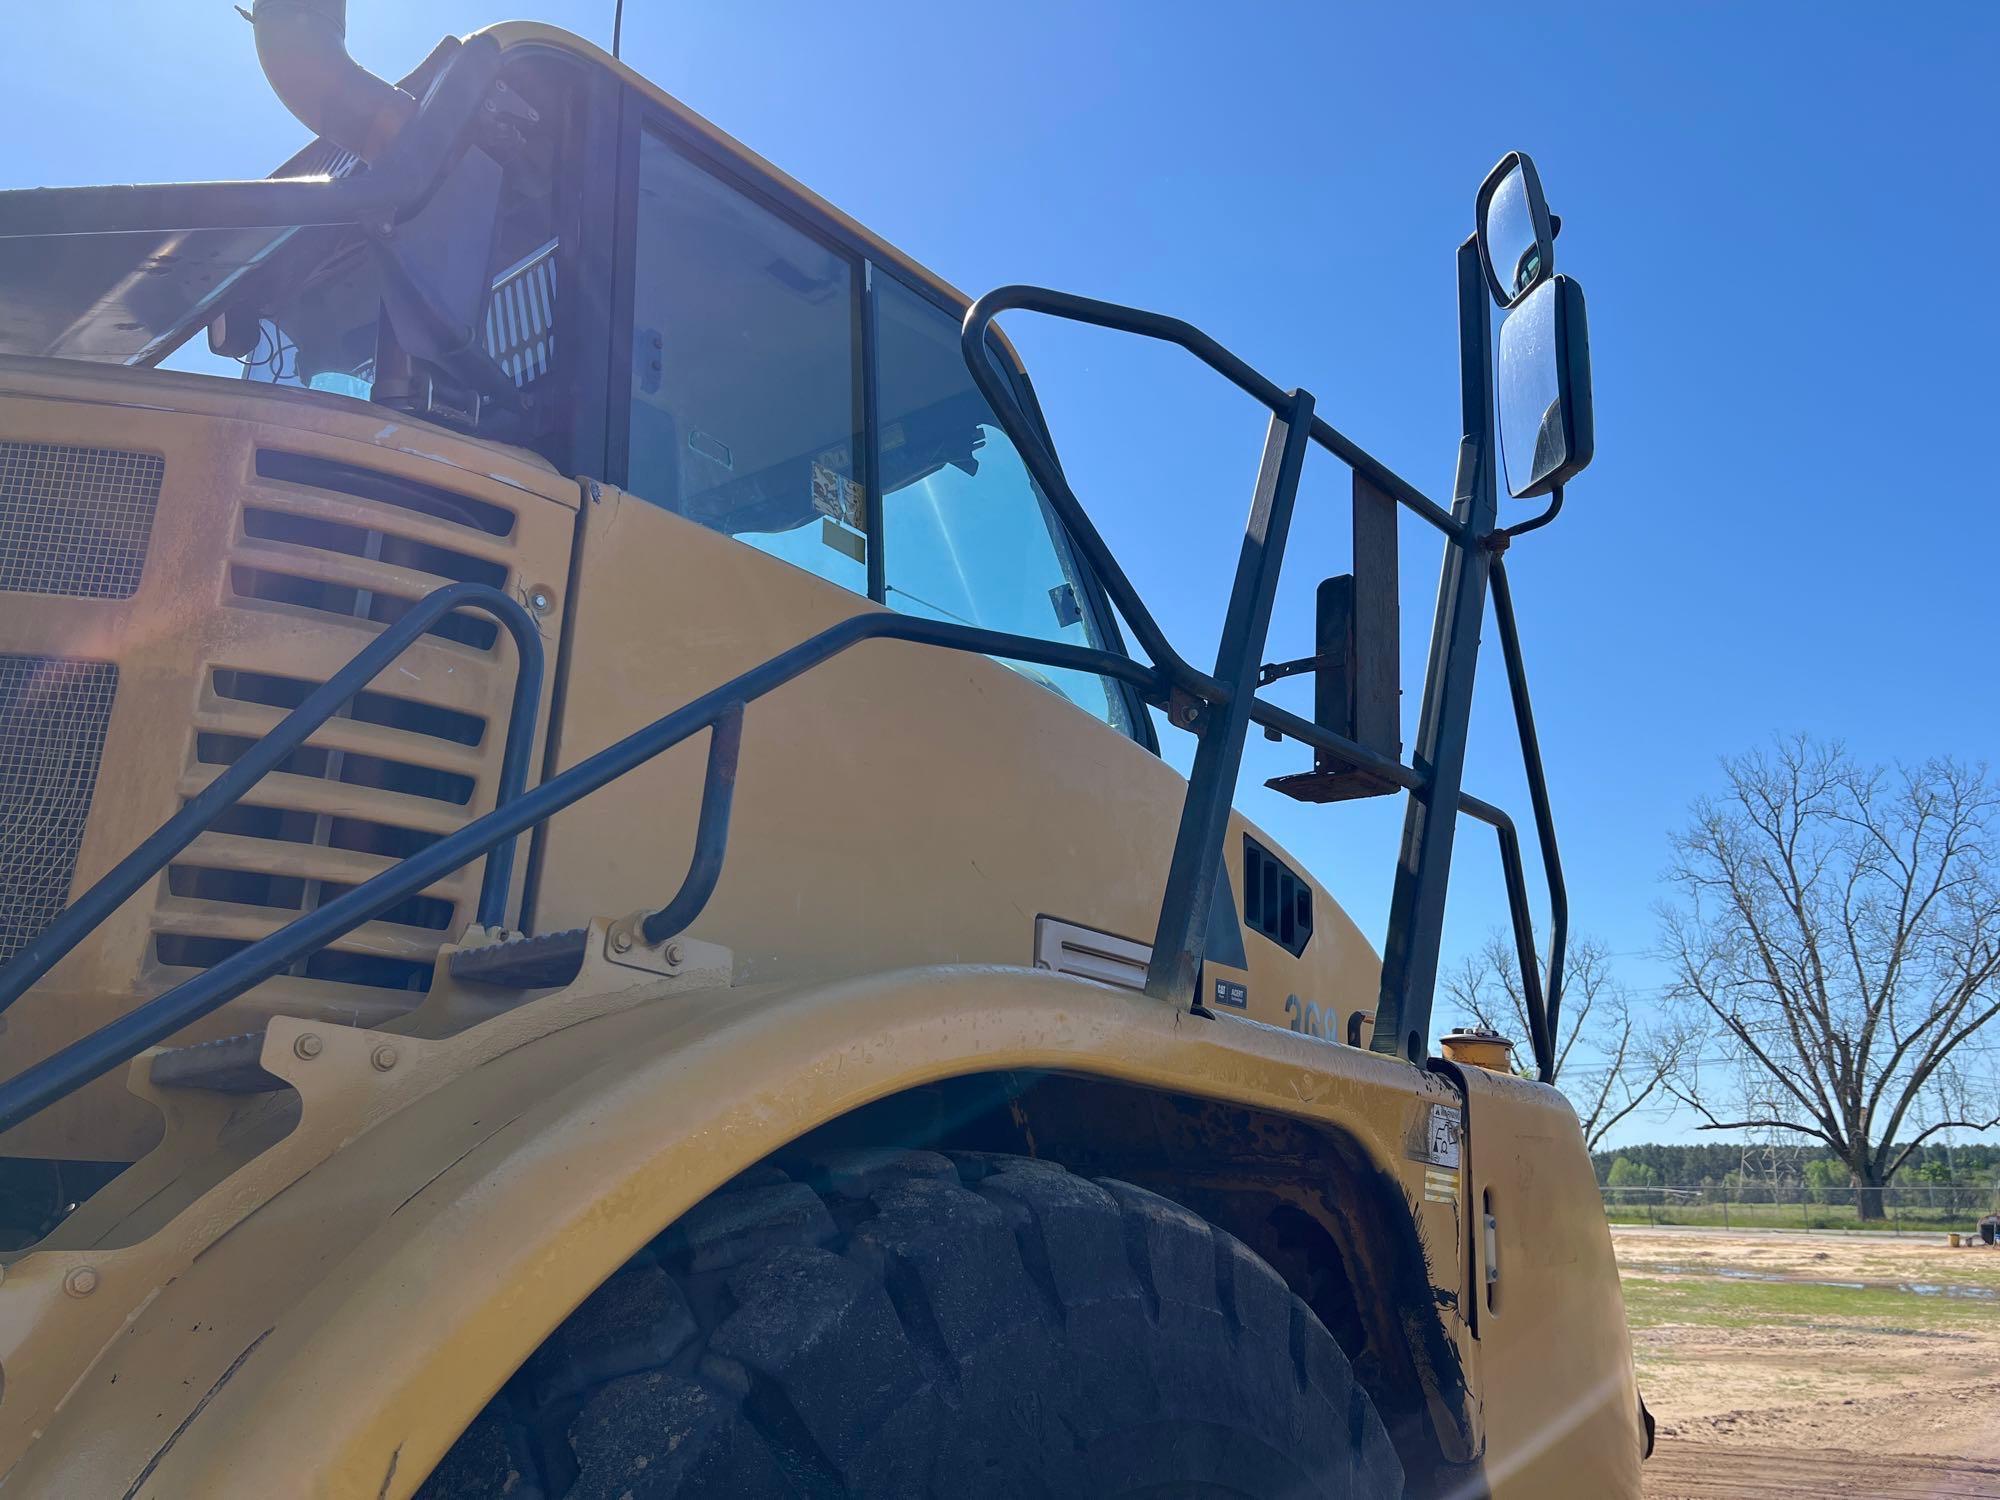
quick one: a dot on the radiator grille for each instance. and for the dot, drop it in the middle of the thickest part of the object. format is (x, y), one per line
(75, 521)
(53, 717)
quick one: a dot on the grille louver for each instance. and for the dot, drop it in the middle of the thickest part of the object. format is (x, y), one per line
(53, 718)
(75, 521)
(293, 844)
(355, 547)
(374, 560)
(1276, 899)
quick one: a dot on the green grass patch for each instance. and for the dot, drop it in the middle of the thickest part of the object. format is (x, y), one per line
(1785, 1216)
(1709, 1302)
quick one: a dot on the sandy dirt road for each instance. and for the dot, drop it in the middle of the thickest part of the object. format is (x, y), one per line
(1807, 1365)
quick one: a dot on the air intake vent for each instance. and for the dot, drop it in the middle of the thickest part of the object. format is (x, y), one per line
(75, 521)
(53, 717)
(324, 820)
(387, 489)
(1276, 901)
(384, 555)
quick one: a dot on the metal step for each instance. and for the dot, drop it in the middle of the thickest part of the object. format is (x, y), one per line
(1346, 784)
(525, 963)
(227, 1065)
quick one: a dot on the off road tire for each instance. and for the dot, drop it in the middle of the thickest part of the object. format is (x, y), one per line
(891, 1322)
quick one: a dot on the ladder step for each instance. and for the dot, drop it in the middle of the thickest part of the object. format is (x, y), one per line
(1345, 785)
(227, 1065)
(525, 963)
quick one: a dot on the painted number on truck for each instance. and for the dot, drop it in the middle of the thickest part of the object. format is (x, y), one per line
(1307, 1017)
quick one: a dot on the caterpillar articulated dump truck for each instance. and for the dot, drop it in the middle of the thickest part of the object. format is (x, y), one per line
(588, 897)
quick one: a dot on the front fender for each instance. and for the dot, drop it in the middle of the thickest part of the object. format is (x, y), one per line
(337, 1339)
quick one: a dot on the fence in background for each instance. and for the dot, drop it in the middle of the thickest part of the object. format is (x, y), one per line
(1926, 1208)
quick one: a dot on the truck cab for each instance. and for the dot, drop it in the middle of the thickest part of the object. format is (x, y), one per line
(619, 653)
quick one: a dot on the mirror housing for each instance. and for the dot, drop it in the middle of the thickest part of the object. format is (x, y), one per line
(1547, 428)
(1516, 234)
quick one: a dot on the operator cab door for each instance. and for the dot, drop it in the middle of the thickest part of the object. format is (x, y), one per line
(788, 392)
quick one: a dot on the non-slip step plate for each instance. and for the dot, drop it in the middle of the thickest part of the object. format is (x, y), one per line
(525, 963)
(227, 1065)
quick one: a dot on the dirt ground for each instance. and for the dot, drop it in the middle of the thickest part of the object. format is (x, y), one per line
(1822, 1364)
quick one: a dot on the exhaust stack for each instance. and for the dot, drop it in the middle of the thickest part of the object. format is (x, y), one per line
(302, 47)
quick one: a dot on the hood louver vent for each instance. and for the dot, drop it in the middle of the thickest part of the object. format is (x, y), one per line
(372, 560)
(1276, 899)
(350, 547)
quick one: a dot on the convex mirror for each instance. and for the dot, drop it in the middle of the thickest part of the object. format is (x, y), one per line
(1516, 235)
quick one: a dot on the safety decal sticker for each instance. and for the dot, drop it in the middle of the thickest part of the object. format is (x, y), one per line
(1441, 1146)
(1441, 1184)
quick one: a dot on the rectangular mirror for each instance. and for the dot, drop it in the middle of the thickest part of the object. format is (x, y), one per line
(1546, 428)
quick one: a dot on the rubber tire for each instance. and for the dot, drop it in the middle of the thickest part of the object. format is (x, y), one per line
(897, 1322)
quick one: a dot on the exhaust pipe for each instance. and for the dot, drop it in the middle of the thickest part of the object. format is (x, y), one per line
(302, 47)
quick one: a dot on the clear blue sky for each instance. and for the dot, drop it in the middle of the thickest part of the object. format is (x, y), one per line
(1784, 216)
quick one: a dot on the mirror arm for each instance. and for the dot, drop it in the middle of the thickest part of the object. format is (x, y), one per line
(1498, 539)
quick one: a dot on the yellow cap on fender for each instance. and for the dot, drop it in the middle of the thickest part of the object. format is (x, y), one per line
(1475, 1047)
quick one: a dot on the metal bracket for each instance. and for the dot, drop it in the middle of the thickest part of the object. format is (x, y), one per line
(1272, 671)
(1187, 712)
(678, 957)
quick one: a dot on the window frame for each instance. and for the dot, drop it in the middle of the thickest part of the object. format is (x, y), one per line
(640, 116)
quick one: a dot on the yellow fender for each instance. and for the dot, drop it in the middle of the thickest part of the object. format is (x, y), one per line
(313, 1294)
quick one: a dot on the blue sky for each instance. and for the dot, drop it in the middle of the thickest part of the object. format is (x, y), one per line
(1783, 215)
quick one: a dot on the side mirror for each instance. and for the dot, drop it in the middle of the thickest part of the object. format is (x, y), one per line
(1547, 433)
(1517, 236)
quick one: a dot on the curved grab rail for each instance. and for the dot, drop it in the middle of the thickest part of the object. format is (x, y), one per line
(36, 1087)
(711, 831)
(82, 915)
(1137, 320)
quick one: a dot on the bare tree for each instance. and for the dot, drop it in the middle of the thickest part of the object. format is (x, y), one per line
(1607, 1062)
(1841, 936)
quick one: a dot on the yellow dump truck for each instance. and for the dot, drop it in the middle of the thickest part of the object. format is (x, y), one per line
(589, 903)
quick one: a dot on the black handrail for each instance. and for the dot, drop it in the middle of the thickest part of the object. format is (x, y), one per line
(722, 710)
(38, 1086)
(711, 831)
(1047, 472)
(1538, 798)
(1138, 320)
(145, 861)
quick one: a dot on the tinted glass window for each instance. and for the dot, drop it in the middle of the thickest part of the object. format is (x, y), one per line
(744, 379)
(966, 534)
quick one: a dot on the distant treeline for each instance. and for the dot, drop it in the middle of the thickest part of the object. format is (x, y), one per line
(1715, 1165)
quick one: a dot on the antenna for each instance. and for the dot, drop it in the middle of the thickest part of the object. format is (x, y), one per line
(617, 26)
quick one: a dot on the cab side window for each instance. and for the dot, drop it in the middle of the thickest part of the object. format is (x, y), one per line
(966, 535)
(747, 416)
(746, 384)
